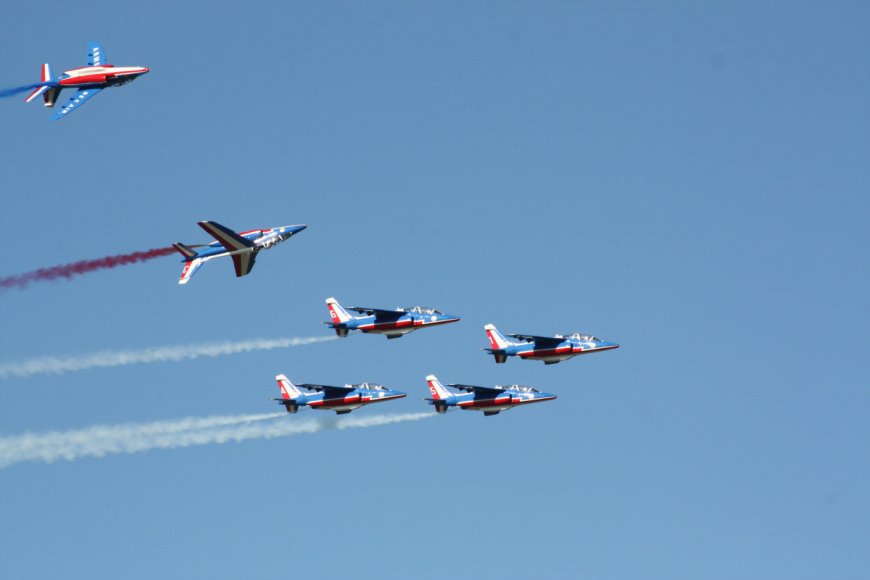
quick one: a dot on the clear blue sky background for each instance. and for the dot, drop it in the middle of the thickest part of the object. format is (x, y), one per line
(687, 179)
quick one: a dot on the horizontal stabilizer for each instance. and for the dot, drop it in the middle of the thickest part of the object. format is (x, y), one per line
(38, 91)
(291, 406)
(340, 329)
(184, 250)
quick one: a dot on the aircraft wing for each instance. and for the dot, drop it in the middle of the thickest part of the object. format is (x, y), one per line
(96, 56)
(76, 101)
(244, 263)
(543, 341)
(329, 391)
(491, 391)
(378, 312)
(229, 239)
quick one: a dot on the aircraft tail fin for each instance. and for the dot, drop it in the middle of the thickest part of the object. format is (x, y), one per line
(289, 392)
(496, 339)
(190, 269)
(338, 314)
(439, 391)
(45, 88)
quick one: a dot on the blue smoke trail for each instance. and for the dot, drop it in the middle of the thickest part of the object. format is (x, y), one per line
(5, 93)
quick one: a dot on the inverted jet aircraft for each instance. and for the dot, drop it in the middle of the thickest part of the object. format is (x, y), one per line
(393, 323)
(490, 400)
(550, 349)
(342, 400)
(242, 247)
(88, 80)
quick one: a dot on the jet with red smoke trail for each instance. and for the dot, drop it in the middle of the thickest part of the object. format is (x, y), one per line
(89, 80)
(241, 247)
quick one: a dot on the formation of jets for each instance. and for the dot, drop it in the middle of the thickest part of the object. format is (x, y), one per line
(243, 248)
(393, 323)
(87, 80)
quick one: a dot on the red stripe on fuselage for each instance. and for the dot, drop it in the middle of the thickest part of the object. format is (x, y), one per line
(544, 353)
(483, 403)
(336, 402)
(98, 79)
(387, 325)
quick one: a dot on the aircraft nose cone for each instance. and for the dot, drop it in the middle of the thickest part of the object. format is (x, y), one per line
(145, 70)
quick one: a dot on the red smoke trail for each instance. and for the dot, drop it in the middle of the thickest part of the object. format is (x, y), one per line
(83, 267)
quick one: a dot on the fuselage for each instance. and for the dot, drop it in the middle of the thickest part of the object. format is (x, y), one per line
(510, 397)
(100, 76)
(352, 400)
(566, 349)
(407, 321)
(262, 239)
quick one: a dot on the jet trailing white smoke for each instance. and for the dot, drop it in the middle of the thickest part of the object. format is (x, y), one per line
(102, 440)
(47, 365)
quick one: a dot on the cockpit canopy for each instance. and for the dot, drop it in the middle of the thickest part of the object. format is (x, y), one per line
(579, 336)
(421, 310)
(521, 388)
(370, 387)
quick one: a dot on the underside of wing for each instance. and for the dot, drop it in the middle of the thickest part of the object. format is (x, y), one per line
(244, 263)
(76, 101)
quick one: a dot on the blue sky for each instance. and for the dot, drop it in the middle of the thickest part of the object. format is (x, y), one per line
(687, 179)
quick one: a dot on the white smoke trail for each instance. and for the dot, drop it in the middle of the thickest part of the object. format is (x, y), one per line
(112, 358)
(102, 440)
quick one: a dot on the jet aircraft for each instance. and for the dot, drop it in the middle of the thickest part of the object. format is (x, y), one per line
(490, 400)
(339, 399)
(393, 323)
(88, 80)
(550, 349)
(242, 247)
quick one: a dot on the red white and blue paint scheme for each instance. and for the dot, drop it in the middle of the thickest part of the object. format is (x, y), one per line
(490, 400)
(88, 80)
(550, 349)
(392, 323)
(241, 247)
(342, 400)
